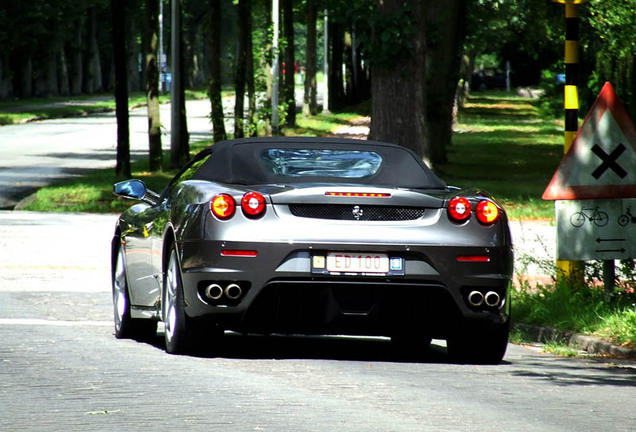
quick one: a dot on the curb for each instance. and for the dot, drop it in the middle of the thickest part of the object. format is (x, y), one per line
(589, 344)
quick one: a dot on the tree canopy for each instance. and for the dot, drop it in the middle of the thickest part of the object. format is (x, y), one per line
(60, 47)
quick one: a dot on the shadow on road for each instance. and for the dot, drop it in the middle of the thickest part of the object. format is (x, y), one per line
(300, 347)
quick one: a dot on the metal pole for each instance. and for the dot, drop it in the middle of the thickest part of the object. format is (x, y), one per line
(609, 277)
(175, 94)
(162, 54)
(275, 67)
(572, 270)
(325, 78)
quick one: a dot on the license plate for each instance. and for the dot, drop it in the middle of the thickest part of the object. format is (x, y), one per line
(349, 262)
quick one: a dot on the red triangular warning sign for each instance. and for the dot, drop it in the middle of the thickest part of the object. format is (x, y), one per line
(601, 162)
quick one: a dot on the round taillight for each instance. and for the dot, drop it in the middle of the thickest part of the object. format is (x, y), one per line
(223, 206)
(253, 204)
(487, 212)
(459, 209)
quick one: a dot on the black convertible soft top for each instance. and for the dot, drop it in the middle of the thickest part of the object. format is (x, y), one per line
(240, 162)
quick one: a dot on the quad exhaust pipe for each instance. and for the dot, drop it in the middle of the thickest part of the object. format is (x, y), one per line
(233, 291)
(476, 298)
(490, 299)
(215, 292)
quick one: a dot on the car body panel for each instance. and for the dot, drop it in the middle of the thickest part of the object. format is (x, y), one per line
(437, 261)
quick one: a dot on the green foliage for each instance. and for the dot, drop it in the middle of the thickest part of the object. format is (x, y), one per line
(392, 37)
(608, 50)
(551, 102)
(583, 309)
(580, 310)
(502, 137)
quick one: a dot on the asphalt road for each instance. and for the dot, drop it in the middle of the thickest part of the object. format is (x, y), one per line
(36, 154)
(61, 367)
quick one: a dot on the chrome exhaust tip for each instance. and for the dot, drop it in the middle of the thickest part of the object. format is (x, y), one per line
(492, 299)
(233, 291)
(214, 291)
(475, 298)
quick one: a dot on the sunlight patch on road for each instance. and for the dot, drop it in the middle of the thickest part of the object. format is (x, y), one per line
(57, 323)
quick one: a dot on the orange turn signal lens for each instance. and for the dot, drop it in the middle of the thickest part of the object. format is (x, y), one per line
(223, 206)
(487, 212)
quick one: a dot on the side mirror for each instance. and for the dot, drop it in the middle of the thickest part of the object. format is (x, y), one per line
(133, 189)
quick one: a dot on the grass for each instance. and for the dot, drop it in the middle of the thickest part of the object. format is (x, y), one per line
(504, 146)
(584, 310)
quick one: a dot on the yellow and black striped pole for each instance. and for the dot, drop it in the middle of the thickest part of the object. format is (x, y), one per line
(572, 270)
(571, 96)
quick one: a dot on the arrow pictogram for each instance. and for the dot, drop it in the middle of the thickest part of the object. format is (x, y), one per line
(599, 240)
(621, 250)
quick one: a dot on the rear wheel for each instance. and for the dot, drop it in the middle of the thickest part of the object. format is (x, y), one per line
(479, 344)
(173, 313)
(125, 326)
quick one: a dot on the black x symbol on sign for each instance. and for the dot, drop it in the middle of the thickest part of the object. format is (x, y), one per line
(609, 161)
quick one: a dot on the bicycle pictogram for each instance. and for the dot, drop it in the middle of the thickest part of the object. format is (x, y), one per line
(594, 215)
(626, 218)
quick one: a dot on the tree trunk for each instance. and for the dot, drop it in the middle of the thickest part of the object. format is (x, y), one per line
(241, 68)
(336, 81)
(122, 169)
(46, 84)
(398, 112)
(310, 105)
(63, 78)
(179, 139)
(5, 83)
(26, 75)
(290, 63)
(132, 51)
(249, 75)
(152, 84)
(447, 21)
(267, 66)
(216, 101)
(77, 65)
(94, 72)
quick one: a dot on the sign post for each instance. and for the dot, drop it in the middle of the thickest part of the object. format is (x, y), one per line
(595, 188)
(571, 269)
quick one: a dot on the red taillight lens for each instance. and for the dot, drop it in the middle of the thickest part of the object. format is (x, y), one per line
(487, 212)
(239, 253)
(459, 209)
(473, 258)
(253, 204)
(223, 206)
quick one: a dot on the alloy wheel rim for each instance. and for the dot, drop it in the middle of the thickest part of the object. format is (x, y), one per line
(119, 290)
(171, 289)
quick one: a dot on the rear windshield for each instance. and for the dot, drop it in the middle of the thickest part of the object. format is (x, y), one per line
(321, 163)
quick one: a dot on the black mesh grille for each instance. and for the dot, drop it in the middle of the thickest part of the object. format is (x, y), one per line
(351, 212)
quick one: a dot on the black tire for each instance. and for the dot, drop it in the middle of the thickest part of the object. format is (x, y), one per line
(125, 326)
(480, 344)
(623, 220)
(177, 335)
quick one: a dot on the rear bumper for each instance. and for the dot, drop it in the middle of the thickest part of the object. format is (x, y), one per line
(279, 292)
